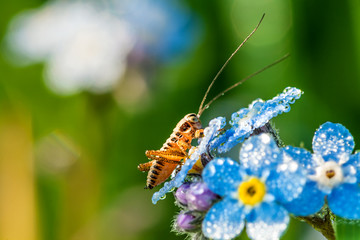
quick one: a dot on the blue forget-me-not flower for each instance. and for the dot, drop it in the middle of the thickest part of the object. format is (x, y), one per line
(253, 191)
(332, 172)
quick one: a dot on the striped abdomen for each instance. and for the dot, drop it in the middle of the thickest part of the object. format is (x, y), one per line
(168, 157)
(174, 150)
(159, 172)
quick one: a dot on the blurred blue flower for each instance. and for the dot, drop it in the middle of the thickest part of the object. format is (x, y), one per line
(254, 191)
(259, 112)
(332, 171)
(164, 28)
(210, 133)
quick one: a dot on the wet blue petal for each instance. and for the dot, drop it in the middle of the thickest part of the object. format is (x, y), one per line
(259, 152)
(344, 201)
(246, 120)
(209, 134)
(301, 156)
(354, 161)
(233, 138)
(309, 202)
(222, 176)
(267, 222)
(236, 116)
(225, 220)
(168, 186)
(333, 142)
(286, 181)
(221, 139)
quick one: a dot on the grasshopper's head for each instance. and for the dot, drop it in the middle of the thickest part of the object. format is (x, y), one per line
(193, 120)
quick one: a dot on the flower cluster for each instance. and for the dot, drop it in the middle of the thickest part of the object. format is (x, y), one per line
(88, 45)
(269, 182)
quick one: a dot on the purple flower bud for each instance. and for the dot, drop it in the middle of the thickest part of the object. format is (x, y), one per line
(184, 221)
(199, 197)
(180, 194)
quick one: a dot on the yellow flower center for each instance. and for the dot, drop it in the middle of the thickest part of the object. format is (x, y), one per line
(330, 173)
(252, 191)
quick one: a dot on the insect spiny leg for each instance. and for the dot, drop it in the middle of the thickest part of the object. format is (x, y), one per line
(165, 160)
(164, 153)
(145, 167)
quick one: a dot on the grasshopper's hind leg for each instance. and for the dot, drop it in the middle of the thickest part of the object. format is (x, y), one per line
(145, 167)
(168, 156)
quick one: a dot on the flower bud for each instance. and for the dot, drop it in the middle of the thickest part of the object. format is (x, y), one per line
(180, 194)
(185, 221)
(199, 197)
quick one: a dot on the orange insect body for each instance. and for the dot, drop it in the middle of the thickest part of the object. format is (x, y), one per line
(164, 161)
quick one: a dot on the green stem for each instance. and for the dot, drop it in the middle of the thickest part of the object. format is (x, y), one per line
(322, 223)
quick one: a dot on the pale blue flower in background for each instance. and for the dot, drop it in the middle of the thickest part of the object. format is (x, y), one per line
(83, 47)
(87, 45)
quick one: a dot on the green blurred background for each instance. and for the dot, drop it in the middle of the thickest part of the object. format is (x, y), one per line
(68, 165)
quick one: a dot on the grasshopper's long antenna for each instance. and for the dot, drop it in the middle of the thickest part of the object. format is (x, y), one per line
(242, 81)
(201, 109)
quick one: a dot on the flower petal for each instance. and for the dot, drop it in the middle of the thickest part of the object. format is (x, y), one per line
(353, 163)
(222, 139)
(231, 138)
(225, 220)
(300, 155)
(344, 201)
(267, 222)
(286, 181)
(309, 202)
(222, 175)
(243, 112)
(333, 142)
(246, 120)
(259, 152)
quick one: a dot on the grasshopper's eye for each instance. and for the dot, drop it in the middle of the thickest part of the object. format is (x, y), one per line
(194, 119)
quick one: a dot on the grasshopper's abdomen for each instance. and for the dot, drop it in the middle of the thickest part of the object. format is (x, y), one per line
(159, 172)
(174, 150)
